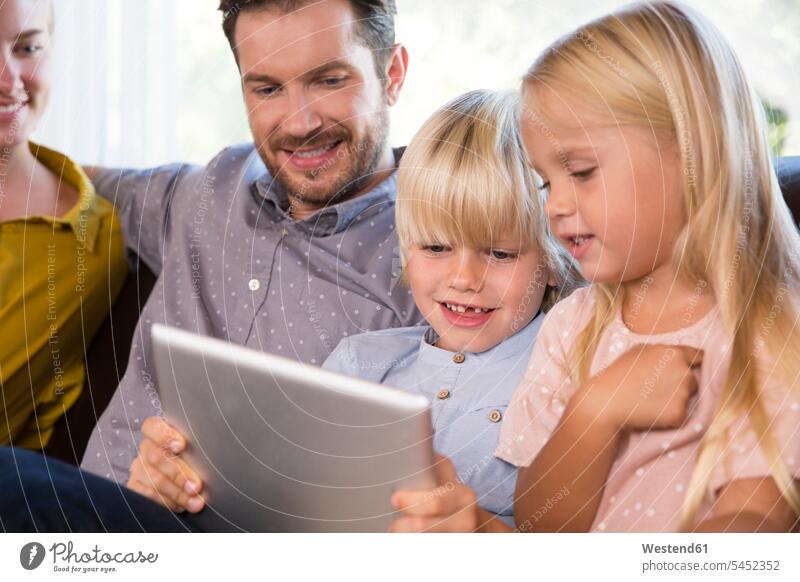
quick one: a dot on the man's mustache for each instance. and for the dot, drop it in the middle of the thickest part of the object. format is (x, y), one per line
(310, 141)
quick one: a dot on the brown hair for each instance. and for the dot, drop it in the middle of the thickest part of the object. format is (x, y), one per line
(375, 19)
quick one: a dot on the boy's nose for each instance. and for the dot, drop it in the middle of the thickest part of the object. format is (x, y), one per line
(466, 272)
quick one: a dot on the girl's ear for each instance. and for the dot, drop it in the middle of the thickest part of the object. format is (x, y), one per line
(552, 281)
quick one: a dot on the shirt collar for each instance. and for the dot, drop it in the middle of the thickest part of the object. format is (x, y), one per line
(331, 219)
(83, 218)
(519, 343)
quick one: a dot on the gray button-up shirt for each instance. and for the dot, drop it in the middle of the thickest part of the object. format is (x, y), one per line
(232, 264)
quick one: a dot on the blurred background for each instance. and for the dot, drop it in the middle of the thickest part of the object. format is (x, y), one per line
(146, 82)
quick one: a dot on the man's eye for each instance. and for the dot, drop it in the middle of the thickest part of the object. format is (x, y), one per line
(266, 91)
(333, 81)
(583, 174)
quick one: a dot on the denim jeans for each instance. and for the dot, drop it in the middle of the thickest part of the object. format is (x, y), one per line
(38, 494)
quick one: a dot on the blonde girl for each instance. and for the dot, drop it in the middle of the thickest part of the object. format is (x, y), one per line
(665, 396)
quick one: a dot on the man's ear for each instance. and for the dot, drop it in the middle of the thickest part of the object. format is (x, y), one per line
(396, 69)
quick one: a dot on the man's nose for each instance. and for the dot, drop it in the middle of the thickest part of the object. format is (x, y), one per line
(301, 116)
(467, 272)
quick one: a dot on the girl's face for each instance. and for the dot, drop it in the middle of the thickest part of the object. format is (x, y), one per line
(476, 298)
(614, 191)
(25, 67)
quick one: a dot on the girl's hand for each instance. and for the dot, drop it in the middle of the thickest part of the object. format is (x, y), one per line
(648, 387)
(450, 507)
(160, 474)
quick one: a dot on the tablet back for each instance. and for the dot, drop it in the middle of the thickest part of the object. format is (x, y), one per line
(287, 447)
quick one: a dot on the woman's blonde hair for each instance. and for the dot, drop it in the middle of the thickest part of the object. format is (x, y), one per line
(465, 179)
(662, 66)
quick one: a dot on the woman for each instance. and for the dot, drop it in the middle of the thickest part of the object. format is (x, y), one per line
(61, 257)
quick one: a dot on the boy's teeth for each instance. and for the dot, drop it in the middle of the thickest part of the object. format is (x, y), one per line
(462, 309)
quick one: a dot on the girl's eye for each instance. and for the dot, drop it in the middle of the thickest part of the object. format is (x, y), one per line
(503, 255)
(583, 174)
(544, 187)
(435, 249)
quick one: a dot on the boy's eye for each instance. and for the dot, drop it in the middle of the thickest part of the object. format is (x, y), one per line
(583, 174)
(436, 249)
(503, 255)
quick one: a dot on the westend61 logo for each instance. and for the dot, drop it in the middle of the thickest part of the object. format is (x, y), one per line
(65, 559)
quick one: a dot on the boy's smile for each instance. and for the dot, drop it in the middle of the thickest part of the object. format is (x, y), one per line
(476, 298)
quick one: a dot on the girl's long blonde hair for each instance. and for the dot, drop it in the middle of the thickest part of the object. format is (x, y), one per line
(662, 66)
(465, 179)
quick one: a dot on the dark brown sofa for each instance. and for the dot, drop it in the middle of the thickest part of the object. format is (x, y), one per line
(107, 357)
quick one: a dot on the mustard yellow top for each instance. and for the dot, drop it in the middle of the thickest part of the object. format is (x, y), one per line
(58, 278)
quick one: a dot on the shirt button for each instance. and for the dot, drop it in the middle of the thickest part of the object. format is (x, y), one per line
(459, 358)
(443, 394)
(254, 284)
(495, 415)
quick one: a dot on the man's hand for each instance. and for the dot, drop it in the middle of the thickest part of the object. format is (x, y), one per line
(160, 474)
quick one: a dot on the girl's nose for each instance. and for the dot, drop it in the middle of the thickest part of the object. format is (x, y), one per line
(560, 202)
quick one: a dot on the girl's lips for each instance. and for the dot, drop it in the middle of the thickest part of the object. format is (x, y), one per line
(466, 319)
(305, 163)
(578, 250)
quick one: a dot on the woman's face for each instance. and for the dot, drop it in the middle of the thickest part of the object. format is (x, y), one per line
(25, 67)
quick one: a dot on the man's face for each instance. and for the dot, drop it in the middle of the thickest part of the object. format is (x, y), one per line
(317, 110)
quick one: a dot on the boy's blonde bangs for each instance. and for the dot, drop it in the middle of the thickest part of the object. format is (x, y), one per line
(459, 184)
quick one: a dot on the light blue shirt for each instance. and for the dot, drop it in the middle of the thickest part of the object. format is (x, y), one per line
(468, 399)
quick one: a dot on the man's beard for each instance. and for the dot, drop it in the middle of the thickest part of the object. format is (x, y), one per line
(317, 187)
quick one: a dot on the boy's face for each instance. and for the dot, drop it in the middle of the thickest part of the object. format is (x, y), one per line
(476, 298)
(25, 67)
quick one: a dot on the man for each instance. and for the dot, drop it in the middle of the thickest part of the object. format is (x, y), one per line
(285, 245)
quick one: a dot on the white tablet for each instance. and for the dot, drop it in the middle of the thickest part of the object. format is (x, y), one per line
(287, 447)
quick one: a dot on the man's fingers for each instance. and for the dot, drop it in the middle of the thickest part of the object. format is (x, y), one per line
(163, 434)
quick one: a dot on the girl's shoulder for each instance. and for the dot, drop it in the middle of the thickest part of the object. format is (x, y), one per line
(570, 313)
